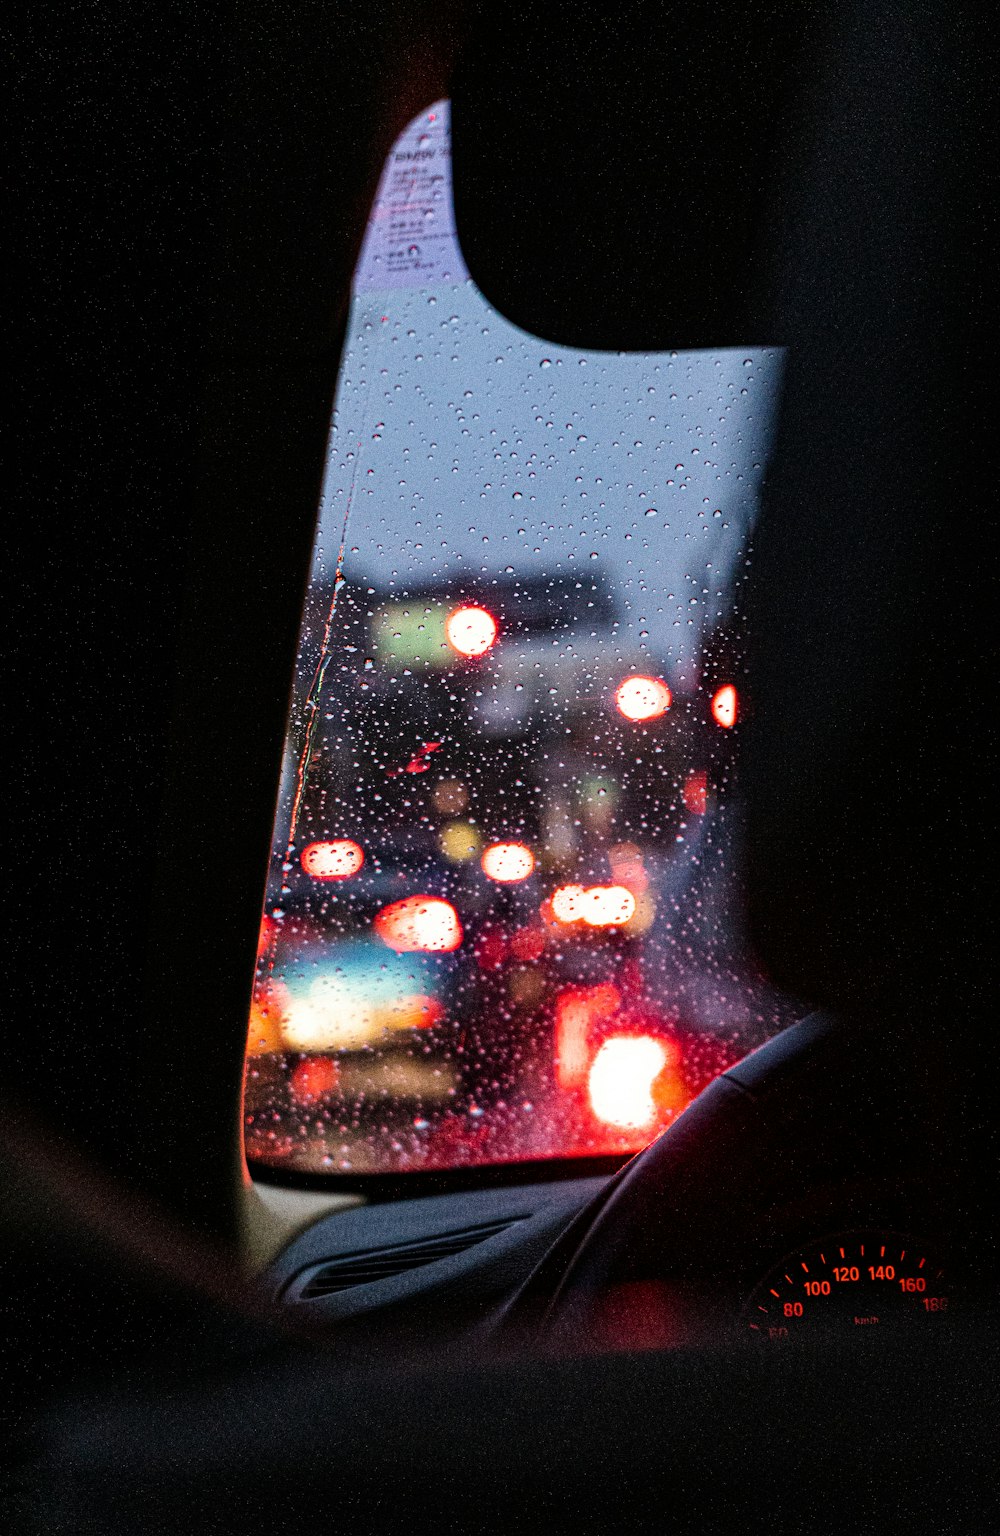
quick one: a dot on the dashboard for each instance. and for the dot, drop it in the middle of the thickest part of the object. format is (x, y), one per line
(791, 1204)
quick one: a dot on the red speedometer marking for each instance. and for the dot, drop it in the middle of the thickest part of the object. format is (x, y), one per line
(861, 1297)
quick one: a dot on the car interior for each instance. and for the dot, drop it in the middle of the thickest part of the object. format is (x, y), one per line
(246, 1282)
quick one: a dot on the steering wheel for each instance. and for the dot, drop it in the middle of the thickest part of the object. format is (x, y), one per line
(823, 1130)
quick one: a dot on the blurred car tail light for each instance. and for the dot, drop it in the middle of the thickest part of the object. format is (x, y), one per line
(419, 924)
(724, 706)
(470, 630)
(642, 698)
(338, 859)
(607, 906)
(580, 1011)
(565, 903)
(598, 906)
(696, 792)
(620, 1083)
(507, 862)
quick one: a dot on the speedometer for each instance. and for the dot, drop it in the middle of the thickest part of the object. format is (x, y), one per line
(859, 1281)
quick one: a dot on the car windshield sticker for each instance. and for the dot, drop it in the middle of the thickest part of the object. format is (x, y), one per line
(410, 241)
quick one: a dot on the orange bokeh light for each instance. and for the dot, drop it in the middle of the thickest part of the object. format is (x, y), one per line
(470, 630)
(621, 1079)
(507, 862)
(338, 859)
(264, 934)
(419, 924)
(724, 706)
(415, 1011)
(642, 698)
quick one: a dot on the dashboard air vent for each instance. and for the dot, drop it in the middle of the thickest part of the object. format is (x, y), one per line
(381, 1263)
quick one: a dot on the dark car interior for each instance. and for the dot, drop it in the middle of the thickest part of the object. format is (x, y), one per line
(578, 1347)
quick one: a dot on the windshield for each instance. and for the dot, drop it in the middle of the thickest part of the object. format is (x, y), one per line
(500, 923)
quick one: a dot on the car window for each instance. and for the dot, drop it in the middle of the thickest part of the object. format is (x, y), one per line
(499, 923)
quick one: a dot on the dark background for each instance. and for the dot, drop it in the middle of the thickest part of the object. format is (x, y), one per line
(190, 189)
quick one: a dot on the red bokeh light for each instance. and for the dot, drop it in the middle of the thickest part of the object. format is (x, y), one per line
(419, 924)
(580, 1012)
(527, 944)
(490, 948)
(264, 934)
(507, 862)
(696, 792)
(470, 630)
(724, 706)
(642, 698)
(313, 1077)
(338, 859)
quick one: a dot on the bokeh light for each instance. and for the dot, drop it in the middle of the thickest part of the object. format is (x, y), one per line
(599, 906)
(313, 1078)
(642, 698)
(566, 903)
(724, 706)
(696, 792)
(459, 842)
(419, 924)
(450, 797)
(470, 630)
(507, 862)
(345, 1012)
(579, 1013)
(620, 1084)
(607, 906)
(338, 859)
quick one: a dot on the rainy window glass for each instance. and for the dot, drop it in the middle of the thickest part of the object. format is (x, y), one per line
(500, 921)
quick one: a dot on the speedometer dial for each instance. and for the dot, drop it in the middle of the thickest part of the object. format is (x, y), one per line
(858, 1281)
